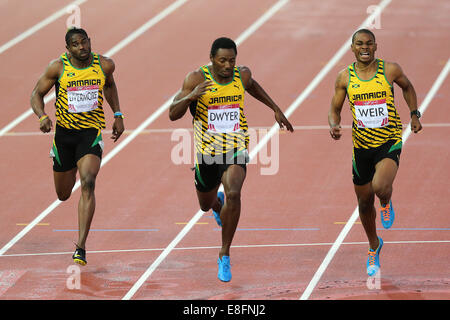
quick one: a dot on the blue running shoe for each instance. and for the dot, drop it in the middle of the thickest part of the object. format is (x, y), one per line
(387, 215)
(224, 273)
(373, 261)
(221, 197)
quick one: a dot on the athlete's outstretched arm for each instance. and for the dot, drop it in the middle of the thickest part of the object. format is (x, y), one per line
(409, 93)
(194, 86)
(334, 115)
(112, 96)
(253, 87)
(43, 86)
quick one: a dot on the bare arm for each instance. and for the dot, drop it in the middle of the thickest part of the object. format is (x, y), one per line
(43, 86)
(194, 86)
(256, 91)
(112, 96)
(334, 115)
(395, 73)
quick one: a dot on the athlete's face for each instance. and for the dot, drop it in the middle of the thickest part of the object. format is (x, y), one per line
(223, 62)
(79, 47)
(364, 47)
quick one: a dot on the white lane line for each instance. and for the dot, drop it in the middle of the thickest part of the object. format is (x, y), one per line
(113, 152)
(282, 245)
(58, 14)
(122, 44)
(171, 130)
(267, 15)
(323, 266)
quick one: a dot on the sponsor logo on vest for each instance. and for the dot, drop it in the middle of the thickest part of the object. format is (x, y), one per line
(225, 99)
(83, 83)
(370, 95)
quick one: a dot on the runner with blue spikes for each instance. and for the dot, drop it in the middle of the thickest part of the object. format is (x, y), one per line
(215, 96)
(376, 132)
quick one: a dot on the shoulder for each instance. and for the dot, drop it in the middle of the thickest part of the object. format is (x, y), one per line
(54, 68)
(246, 75)
(194, 78)
(392, 68)
(342, 78)
(107, 64)
(245, 71)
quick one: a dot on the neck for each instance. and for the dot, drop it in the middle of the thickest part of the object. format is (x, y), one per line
(219, 78)
(80, 63)
(363, 66)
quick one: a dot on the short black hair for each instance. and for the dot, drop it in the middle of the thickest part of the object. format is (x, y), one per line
(363, 31)
(74, 30)
(223, 43)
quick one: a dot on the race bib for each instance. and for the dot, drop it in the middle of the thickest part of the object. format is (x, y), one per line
(371, 114)
(223, 119)
(82, 99)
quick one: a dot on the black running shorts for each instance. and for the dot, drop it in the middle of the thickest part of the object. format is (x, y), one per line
(70, 145)
(365, 160)
(209, 169)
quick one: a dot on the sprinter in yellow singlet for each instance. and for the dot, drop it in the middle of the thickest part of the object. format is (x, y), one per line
(376, 132)
(215, 96)
(81, 79)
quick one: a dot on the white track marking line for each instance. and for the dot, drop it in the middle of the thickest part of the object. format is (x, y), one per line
(323, 266)
(266, 16)
(171, 130)
(122, 44)
(282, 245)
(58, 14)
(119, 147)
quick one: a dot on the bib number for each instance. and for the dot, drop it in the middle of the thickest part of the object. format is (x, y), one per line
(82, 99)
(223, 119)
(371, 114)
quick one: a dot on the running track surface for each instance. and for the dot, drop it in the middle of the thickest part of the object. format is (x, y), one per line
(289, 220)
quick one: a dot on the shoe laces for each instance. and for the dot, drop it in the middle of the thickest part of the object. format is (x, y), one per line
(372, 255)
(386, 212)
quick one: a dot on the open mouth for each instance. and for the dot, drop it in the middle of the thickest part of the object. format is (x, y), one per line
(365, 54)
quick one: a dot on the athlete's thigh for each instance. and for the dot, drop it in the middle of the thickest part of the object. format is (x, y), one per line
(64, 182)
(364, 194)
(89, 166)
(385, 172)
(233, 178)
(206, 199)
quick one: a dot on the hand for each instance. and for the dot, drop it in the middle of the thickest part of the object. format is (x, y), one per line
(46, 125)
(117, 129)
(282, 121)
(200, 89)
(335, 132)
(416, 126)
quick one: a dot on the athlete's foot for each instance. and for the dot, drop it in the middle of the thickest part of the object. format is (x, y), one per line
(221, 199)
(373, 259)
(79, 256)
(387, 215)
(224, 273)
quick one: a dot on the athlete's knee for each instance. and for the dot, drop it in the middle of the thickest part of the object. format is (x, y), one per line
(205, 206)
(382, 189)
(88, 183)
(233, 198)
(63, 195)
(365, 204)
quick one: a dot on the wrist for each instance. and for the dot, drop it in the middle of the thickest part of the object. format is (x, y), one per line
(118, 115)
(43, 117)
(416, 113)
